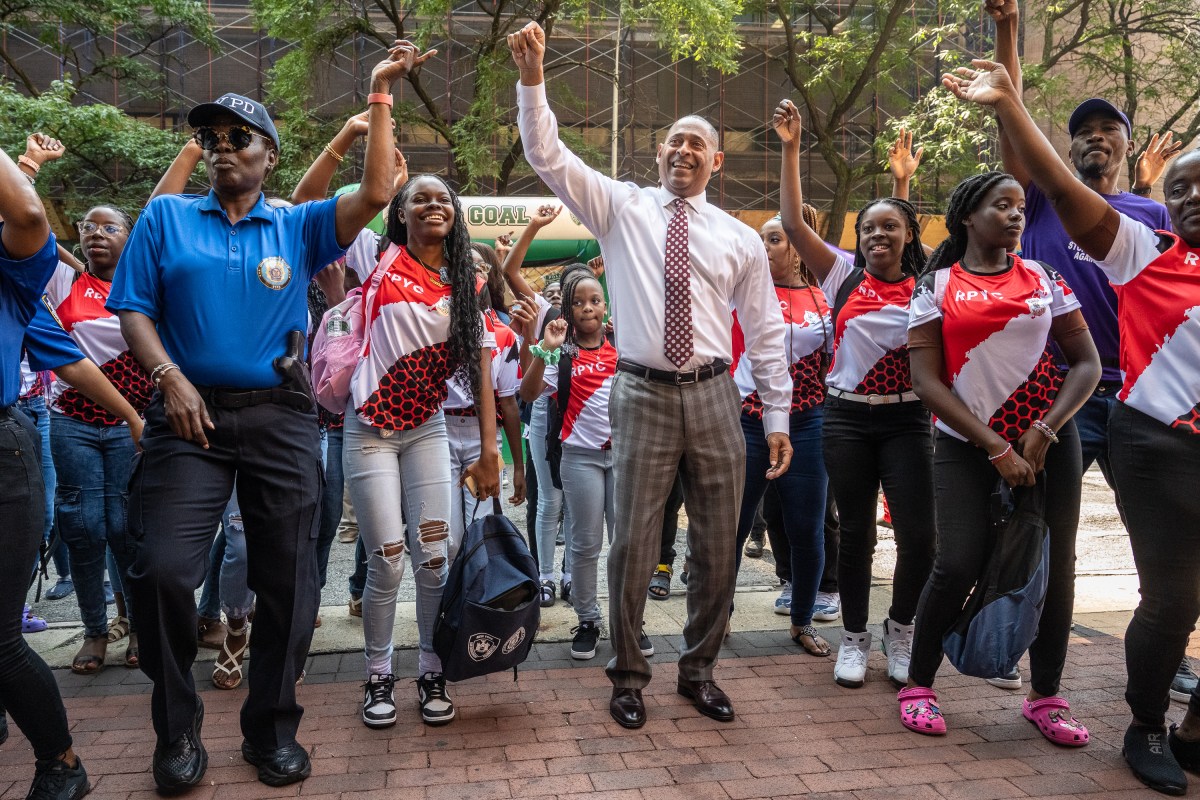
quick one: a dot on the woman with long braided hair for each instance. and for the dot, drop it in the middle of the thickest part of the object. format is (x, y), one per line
(980, 319)
(422, 325)
(875, 429)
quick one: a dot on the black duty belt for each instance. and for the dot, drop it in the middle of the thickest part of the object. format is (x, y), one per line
(224, 397)
(676, 378)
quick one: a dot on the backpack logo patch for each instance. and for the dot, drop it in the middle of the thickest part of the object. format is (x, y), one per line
(514, 641)
(481, 646)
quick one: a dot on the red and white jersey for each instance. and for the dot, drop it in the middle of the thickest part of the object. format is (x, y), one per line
(870, 342)
(585, 423)
(505, 380)
(78, 301)
(1158, 312)
(995, 331)
(32, 384)
(809, 331)
(400, 382)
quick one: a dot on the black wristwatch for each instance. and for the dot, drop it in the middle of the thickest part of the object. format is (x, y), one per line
(1141, 191)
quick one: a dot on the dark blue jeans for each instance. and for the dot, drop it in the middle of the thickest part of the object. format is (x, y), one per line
(331, 499)
(27, 687)
(802, 497)
(93, 463)
(35, 409)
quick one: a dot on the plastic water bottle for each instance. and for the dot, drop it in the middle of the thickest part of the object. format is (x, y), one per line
(338, 324)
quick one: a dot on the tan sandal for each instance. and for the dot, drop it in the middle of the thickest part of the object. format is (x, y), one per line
(118, 629)
(228, 675)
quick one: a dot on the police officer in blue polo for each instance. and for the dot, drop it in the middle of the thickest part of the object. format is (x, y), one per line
(211, 293)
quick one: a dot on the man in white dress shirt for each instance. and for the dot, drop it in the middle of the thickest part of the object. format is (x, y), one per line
(676, 268)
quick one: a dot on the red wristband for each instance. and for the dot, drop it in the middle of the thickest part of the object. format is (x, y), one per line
(379, 97)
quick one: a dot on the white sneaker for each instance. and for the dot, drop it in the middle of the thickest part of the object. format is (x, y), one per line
(851, 667)
(379, 701)
(897, 646)
(1010, 681)
(827, 607)
(783, 603)
(436, 706)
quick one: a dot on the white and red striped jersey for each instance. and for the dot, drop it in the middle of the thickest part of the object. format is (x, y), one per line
(585, 423)
(401, 380)
(809, 331)
(870, 342)
(995, 331)
(1158, 312)
(78, 302)
(505, 380)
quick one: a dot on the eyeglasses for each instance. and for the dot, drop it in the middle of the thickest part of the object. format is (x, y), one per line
(238, 136)
(108, 229)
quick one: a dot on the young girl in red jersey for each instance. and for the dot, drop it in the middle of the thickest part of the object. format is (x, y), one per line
(980, 320)
(577, 340)
(875, 429)
(1154, 435)
(422, 325)
(801, 489)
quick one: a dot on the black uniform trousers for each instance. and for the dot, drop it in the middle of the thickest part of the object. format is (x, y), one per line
(177, 493)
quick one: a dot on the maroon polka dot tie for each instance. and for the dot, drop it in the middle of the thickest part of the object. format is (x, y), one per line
(677, 340)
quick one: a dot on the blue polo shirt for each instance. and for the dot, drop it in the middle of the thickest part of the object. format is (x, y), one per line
(224, 296)
(21, 284)
(48, 345)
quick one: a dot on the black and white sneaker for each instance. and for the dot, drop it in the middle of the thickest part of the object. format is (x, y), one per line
(379, 701)
(644, 644)
(436, 706)
(1184, 682)
(583, 646)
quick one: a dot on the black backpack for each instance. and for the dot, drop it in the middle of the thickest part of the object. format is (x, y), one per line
(489, 612)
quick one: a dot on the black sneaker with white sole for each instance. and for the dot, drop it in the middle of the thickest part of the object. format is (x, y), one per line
(644, 644)
(436, 706)
(587, 635)
(379, 701)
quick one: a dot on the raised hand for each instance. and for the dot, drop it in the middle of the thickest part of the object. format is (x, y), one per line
(403, 58)
(545, 215)
(356, 126)
(984, 83)
(1153, 160)
(786, 121)
(504, 245)
(524, 316)
(1000, 10)
(902, 161)
(42, 148)
(596, 265)
(555, 334)
(528, 47)
(401, 171)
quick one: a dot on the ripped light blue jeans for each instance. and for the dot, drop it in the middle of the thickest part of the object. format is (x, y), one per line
(387, 472)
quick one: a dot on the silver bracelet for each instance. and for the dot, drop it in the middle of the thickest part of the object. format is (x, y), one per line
(156, 375)
(1046, 431)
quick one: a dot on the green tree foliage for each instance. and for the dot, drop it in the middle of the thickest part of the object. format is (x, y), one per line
(703, 30)
(111, 157)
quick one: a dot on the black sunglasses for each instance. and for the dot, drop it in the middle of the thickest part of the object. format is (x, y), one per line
(238, 136)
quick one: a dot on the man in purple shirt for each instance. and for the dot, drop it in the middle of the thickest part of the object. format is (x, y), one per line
(1100, 142)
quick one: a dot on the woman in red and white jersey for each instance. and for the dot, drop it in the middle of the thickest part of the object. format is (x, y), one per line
(421, 325)
(980, 321)
(802, 488)
(92, 449)
(875, 429)
(1153, 433)
(578, 341)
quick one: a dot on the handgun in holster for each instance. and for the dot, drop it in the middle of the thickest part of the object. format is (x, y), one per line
(296, 389)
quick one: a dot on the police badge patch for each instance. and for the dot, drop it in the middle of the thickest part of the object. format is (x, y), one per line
(481, 646)
(274, 273)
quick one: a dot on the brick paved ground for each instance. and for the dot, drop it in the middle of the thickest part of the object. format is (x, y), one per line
(549, 734)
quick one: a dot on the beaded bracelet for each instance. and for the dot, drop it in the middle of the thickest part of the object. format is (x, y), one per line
(549, 356)
(156, 375)
(1046, 431)
(999, 456)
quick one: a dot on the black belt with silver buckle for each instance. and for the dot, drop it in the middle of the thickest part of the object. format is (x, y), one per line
(222, 397)
(676, 378)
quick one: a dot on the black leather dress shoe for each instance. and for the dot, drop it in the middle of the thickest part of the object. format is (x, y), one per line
(181, 764)
(708, 699)
(280, 766)
(627, 708)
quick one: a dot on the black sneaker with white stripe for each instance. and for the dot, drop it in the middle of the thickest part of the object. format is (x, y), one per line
(436, 706)
(379, 701)
(587, 635)
(644, 644)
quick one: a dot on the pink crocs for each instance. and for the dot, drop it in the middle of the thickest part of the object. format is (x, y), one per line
(1052, 715)
(919, 711)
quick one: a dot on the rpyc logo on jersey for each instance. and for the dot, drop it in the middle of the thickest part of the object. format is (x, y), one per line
(481, 646)
(274, 273)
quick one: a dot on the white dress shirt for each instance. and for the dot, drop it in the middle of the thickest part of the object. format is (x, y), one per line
(728, 263)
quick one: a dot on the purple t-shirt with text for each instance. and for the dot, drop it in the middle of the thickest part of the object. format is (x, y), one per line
(1045, 240)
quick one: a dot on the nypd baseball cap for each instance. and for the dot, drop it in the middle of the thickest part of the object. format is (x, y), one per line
(254, 114)
(1093, 106)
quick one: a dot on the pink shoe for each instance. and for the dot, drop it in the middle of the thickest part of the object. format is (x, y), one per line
(1052, 715)
(919, 711)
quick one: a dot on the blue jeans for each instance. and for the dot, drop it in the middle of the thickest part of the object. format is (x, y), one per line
(93, 463)
(236, 598)
(588, 487)
(210, 597)
(801, 492)
(331, 498)
(35, 409)
(550, 500)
